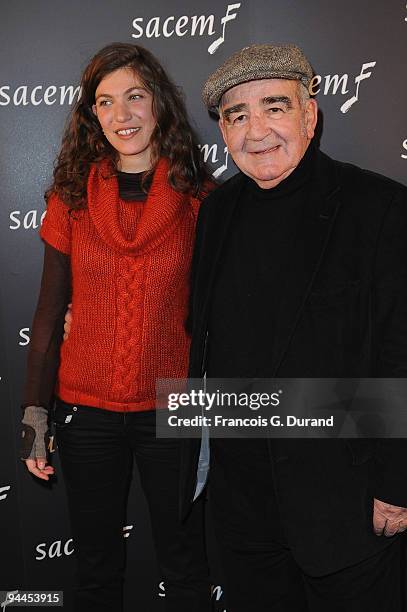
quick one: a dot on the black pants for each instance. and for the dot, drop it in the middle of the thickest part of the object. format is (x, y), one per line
(259, 570)
(96, 448)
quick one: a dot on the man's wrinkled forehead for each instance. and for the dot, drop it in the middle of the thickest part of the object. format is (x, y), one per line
(271, 88)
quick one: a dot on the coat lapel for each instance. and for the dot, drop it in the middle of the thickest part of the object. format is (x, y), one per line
(311, 238)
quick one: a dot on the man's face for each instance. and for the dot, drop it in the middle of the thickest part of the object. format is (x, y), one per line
(266, 128)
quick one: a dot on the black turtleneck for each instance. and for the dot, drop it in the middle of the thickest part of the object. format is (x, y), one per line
(246, 296)
(131, 188)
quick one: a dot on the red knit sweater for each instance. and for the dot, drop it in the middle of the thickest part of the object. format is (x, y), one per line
(130, 271)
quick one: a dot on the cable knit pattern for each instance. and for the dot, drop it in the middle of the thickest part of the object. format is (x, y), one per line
(130, 284)
(130, 271)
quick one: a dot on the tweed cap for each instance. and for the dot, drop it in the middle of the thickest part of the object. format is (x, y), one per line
(254, 63)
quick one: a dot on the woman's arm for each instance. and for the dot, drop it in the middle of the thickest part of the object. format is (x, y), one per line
(47, 329)
(43, 359)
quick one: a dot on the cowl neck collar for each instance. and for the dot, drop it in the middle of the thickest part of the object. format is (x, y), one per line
(162, 211)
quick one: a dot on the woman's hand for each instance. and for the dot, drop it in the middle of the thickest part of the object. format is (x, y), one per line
(68, 321)
(39, 468)
(35, 440)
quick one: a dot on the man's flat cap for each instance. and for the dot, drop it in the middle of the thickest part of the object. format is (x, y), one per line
(254, 63)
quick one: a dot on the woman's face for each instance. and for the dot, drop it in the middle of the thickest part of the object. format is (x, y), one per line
(124, 109)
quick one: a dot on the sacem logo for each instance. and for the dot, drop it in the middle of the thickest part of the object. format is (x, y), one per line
(24, 334)
(126, 530)
(183, 25)
(60, 548)
(211, 154)
(56, 549)
(404, 145)
(32, 219)
(6, 597)
(217, 592)
(23, 95)
(334, 82)
(4, 492)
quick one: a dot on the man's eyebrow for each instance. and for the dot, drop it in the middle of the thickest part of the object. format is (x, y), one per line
(237, 108)
(278, 99)
(234, 109)
(106, 95)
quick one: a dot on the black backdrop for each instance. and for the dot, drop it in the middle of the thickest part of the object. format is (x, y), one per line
(358, 50)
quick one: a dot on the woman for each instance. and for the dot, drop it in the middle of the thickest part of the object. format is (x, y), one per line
(118, 236)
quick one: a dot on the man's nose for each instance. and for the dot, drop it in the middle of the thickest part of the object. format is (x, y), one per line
(258, 128)
(121, 112)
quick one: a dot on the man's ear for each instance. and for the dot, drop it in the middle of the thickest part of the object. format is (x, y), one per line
(311, 117)
(94, 109)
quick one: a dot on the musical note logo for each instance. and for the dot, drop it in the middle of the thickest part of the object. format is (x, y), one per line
(8, 600)
(223, 167)
(126, 530)
(361, 77)
(228, 17)
(4, 495)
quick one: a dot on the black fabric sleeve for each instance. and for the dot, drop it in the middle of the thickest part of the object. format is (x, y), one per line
(390, 324)
(196, 256)
(47, 329)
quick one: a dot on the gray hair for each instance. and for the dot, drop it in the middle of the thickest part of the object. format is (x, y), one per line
(303, 94)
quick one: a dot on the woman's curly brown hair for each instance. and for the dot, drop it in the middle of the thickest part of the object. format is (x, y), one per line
(83, 141)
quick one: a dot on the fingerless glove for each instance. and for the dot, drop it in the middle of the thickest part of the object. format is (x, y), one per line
(35, 433)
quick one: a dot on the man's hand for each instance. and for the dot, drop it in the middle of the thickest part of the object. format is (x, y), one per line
(387, 519)
(68, 321)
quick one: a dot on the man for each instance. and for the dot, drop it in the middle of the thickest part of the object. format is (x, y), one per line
(299, 270)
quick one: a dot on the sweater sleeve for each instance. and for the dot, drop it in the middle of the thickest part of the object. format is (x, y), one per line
(56, 227)
(47, 329)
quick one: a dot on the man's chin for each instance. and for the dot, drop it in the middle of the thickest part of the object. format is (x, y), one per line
(268, 179)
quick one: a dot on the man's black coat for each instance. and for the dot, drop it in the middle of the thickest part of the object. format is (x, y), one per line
(344, 315)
